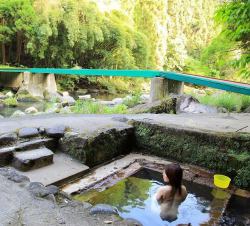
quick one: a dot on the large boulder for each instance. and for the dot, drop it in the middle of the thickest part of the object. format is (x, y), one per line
(166, 105)
(188, 104)
(67, 100)
(25, 96)
(52, 96)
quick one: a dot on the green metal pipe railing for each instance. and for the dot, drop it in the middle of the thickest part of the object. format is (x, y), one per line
(231, 86)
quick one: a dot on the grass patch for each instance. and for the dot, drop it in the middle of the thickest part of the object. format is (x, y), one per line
(230, 101)
(133, 100)
(89, 107)
(11, 102)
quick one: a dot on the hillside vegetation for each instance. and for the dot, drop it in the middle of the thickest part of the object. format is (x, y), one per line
(199, 36)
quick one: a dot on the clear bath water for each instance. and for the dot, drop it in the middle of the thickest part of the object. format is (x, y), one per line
(134, 198)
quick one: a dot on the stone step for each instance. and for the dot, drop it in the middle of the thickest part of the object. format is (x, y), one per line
(36, 143)
(6, 153)
(32, 159)
(63, 170)
(6, 156)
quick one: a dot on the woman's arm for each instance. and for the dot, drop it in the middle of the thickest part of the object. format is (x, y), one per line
(159, 195)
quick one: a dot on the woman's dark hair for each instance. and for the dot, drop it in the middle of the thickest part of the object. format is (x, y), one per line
(174, 173)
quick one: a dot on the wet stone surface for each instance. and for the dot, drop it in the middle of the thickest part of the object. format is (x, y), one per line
(56, 131)
(8, 138)
(6, 155)
(103, 209)
(12, 175)
(28, 132)
(39, 190)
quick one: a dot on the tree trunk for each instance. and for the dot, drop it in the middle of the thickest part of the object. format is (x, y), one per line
(3, 54)
(19, 47)
(3, 45)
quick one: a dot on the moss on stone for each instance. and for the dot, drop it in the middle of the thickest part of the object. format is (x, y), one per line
(99, 147)
(224, 153)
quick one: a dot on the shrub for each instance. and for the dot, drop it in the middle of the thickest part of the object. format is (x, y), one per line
(11, 102)
(89, 107)
(133, 101)
(230, 101)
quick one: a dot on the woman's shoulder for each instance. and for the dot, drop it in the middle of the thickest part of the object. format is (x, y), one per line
(183, 191)
(163, 192)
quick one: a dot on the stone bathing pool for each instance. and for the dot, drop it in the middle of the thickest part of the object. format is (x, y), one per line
(131, 192)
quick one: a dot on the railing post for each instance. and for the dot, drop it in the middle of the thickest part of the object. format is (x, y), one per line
(158, 89)
(175, 87)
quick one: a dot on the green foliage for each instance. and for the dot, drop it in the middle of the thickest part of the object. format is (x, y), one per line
(11, 102)
(133, 100)
(18, 20)
(235, 17)
(90, 107)
(195, 66)
(120, 84)
(66, 82)
(243, 177)
(230, 101)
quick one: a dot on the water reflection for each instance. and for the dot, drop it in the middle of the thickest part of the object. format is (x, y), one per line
(135, 198)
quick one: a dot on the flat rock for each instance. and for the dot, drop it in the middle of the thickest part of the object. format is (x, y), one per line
(103, 209)
(28, 132)
(8, 138)
(39, 190)
(12, 175)
(56, 131)
(85, 97)
(31, 110)
(32, 159)
(6, 155)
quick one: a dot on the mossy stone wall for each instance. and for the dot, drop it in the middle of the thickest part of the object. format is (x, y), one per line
(227, 153)
(100, 147)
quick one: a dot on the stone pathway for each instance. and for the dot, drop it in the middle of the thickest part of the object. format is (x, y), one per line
(63, 167)
(90, 123)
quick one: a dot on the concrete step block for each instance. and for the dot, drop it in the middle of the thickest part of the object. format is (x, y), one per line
(33, 159)
(36, 143)
(6, 155)
(8, 138)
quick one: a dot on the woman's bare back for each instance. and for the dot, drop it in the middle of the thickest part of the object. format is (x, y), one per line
(168, 203)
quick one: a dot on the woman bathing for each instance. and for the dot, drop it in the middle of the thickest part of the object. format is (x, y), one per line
(173, 194)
